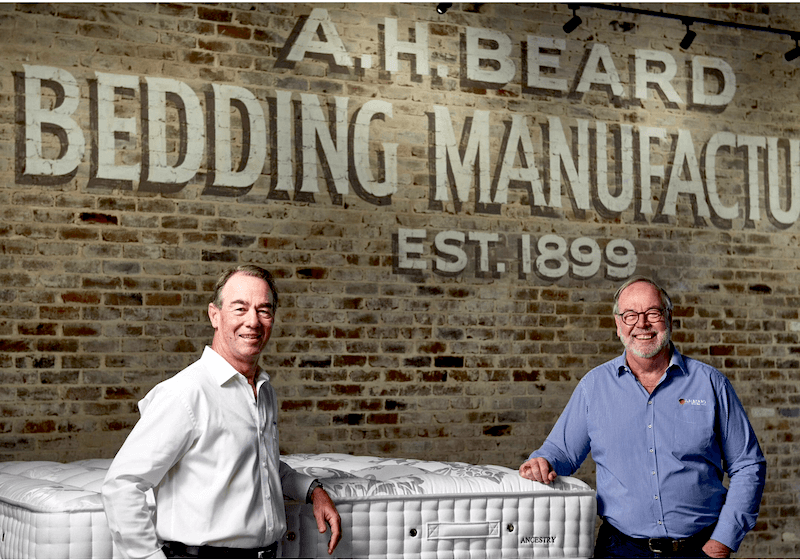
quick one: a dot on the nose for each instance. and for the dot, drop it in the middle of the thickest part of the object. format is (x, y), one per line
(251, 319)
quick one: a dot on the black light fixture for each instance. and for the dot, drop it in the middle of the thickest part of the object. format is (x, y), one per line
(690, 36)
(442, 7)
(573, 23)
(686, 42)
(795, 52)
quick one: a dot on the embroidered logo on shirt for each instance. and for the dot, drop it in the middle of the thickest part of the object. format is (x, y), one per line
(694, 402)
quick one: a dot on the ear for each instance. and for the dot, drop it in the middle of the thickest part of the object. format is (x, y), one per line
(213, 315)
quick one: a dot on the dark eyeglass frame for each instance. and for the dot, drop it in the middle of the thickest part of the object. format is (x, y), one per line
(653, 315)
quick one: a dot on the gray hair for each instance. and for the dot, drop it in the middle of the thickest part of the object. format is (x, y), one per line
(666, 301)
(249, 270)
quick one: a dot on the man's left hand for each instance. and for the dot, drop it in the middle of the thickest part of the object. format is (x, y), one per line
(325, 513)
(716, 549)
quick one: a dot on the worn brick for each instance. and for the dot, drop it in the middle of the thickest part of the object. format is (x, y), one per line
(123, 299)
(82, 393)
(234, 32)
(37, 329)
(288, 405)
(448, 361)
(162, 299)
(67, 377)
(57, 345)
(81, 330)
(123, 393)
(176, 10)
(213, 14)
(78, 234)
(45, 426)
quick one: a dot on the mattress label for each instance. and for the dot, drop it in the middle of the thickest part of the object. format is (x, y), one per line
(537, 540)
(464, 530)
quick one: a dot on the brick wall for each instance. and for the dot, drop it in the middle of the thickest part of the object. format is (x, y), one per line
(430, 305)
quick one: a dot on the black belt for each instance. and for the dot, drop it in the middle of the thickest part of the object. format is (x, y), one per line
(666, 545)
(173, 549)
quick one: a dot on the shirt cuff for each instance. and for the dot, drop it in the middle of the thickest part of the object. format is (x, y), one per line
(314, 485)
(729, 536)
(157, 554)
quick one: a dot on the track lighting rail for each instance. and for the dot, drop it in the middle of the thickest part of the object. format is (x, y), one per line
(686, 20)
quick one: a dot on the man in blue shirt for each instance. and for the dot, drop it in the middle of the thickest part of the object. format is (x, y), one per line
(663, 430)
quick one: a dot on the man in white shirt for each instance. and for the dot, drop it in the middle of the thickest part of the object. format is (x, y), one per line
(207, 444)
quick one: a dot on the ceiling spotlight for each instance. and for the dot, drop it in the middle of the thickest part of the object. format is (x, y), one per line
(794, 53)
(442, 7)
(573, 23)
(686, 42)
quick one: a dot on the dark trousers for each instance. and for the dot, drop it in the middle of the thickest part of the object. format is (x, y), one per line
(611, 543)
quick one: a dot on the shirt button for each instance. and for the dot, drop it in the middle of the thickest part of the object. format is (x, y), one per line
(654, 473)
(655, 497)
(651, 451)
(660, 522)
(650, 426)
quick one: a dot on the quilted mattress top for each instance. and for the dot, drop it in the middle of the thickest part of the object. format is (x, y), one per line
(46, 486)
(354, 477)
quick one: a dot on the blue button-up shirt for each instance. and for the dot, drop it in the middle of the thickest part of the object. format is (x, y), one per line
(661, 457)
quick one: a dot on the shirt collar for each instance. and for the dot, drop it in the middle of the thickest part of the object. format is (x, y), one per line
(676, 362)
(222, 372)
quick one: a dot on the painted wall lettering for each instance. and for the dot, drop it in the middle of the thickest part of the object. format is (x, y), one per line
(157, 135)
(551, 158)
(488, 254)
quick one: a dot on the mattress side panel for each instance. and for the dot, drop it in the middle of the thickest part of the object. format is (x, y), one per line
(498, 526)
(30, 534)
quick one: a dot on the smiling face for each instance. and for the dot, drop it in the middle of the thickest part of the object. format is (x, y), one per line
(243, 322)
(643, 339)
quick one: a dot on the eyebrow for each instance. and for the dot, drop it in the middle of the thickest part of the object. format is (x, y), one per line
(242, 302)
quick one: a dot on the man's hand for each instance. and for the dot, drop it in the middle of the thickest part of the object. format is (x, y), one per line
(716, 549)
(325, 513)
(537, 469)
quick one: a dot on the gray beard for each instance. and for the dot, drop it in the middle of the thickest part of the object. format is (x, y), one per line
(630, 347)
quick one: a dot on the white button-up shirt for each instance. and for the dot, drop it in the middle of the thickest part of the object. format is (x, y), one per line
(209, 450)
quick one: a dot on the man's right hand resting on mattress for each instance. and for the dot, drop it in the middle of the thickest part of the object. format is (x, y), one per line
(538, 470)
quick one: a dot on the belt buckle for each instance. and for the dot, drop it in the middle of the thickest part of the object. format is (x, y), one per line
(662, 546)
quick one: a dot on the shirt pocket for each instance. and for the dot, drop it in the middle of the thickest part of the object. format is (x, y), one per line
(693, 430)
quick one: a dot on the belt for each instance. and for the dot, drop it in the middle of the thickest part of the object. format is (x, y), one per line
(174, 549)
(666, 545)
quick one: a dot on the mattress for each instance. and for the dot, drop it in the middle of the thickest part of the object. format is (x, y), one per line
(53, 510)
(390, 508)
(400, 508)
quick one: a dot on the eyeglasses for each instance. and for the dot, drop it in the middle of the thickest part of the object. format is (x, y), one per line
(653, 315)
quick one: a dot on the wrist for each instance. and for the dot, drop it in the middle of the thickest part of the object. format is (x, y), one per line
(314, 485)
